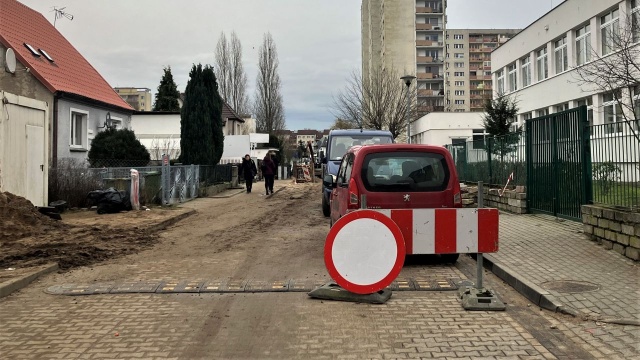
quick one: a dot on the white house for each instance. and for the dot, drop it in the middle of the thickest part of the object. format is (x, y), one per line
(447, 128)
(538, 65)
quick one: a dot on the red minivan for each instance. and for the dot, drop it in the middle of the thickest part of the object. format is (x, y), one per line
(395, 176)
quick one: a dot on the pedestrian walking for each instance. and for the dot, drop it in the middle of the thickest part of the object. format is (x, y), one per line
(268, 171)
(276, 164)
(248, 169)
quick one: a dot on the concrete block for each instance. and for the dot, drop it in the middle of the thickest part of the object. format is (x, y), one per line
(603, 223)
(493, 192)
(596, 211)
(615, 226)
(620, 216)
(599, 232)
(587, 229)
(467, 201)
(513, 202)
(633, 218)
(619, 248)
(609, 214)
(593, 221)
(585, 209)
(632, 253)
(622, 239)
(637, 230)
(610, 235)
(607, 244)
(627, 229)
(521, 196)
(520, 189)
(634, 241)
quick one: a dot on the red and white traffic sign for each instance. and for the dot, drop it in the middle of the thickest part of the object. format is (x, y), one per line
(364, 251)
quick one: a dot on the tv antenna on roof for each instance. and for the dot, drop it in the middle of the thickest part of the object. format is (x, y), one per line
(60, 13)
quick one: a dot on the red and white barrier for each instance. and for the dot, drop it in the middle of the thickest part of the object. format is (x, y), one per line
(447, 231)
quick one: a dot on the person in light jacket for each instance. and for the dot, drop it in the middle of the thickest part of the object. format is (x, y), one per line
(269, 172)
(248, 169)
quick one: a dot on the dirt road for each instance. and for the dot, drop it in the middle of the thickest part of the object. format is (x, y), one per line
(253, 237)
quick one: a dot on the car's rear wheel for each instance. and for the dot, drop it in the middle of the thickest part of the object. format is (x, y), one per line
(449, 258)
(326, 210)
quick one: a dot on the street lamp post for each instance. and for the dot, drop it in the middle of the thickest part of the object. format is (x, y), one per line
(407, 79)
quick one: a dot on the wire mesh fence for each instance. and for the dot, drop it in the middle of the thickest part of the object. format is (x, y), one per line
(71, 180)
(492, 160)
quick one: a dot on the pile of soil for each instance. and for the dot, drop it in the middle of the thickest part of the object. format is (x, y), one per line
(28, 238)
(19, 218)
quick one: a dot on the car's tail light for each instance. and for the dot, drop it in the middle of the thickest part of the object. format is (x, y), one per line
(354, 195)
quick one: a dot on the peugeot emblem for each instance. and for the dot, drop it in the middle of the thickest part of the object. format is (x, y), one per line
(407, 197)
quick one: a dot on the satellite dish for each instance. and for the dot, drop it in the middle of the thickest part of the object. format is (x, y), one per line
(11, 61)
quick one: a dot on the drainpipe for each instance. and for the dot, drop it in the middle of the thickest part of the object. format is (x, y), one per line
(54, 145)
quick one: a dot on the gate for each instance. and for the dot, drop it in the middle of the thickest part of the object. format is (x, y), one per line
(559, 163)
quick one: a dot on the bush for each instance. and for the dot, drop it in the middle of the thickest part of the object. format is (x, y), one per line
(71, 180)
(121, 145)
(606, 174)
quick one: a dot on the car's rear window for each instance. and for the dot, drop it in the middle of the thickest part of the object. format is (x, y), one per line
(405, 171)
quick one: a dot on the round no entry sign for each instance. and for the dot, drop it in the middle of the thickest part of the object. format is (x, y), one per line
(364, 251)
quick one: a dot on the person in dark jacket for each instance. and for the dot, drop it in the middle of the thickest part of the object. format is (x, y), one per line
(268, 171)
(248, 170)
(276, 163)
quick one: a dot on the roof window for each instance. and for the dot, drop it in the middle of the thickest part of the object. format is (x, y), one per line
(33, 51)
(46, 55)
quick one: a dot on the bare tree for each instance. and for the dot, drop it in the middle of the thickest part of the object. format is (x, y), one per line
(168, 146)
(268, 107)
(238, 78)
(223, 67)
(378, 103)
(618, 71)
(340, 124)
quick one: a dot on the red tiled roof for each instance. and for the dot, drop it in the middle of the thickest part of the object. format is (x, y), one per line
(229, 113)
(70, 72)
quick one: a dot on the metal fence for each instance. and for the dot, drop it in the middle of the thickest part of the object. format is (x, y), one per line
(167, 184)
(492, 159)
(615, 161)
(615, 156)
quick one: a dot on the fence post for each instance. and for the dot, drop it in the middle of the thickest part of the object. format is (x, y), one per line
(166, 180)
(479, 257)
(490, 147)
(585, 156)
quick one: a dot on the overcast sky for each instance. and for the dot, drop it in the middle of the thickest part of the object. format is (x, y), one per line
(318, 42)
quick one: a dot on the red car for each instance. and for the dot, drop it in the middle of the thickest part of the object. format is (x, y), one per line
(395, 176)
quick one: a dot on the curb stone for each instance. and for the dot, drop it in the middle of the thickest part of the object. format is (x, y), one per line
(531, 291)
(8, 287)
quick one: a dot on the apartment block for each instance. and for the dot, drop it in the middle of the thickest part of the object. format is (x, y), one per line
(407, 36)
(468, 66)
(138, 98)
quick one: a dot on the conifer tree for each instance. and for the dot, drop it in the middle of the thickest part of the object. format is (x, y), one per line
(168, 94)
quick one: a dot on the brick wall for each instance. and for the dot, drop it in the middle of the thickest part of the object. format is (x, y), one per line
(514, 201)
(614, 229)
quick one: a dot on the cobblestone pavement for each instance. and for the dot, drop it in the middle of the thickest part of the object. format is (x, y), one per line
(544, 250)
(214, 244)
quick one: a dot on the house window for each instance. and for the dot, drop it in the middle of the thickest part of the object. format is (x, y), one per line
(459, 55)
(543, 69)
(527, 116)
(459, 65)
(478, 139)
(500, 79)
(458, 74)
(459, 102)
(525, 65)
(459, 83)
(116, 122)
(562, 61)
(609, 28)
(513, 77)
(612, 112)
(459, 92)
(542, 112)
(561, 107)
(458, 46)
(583, 45)
(589, 104)
(78, 129)
(458, 37)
